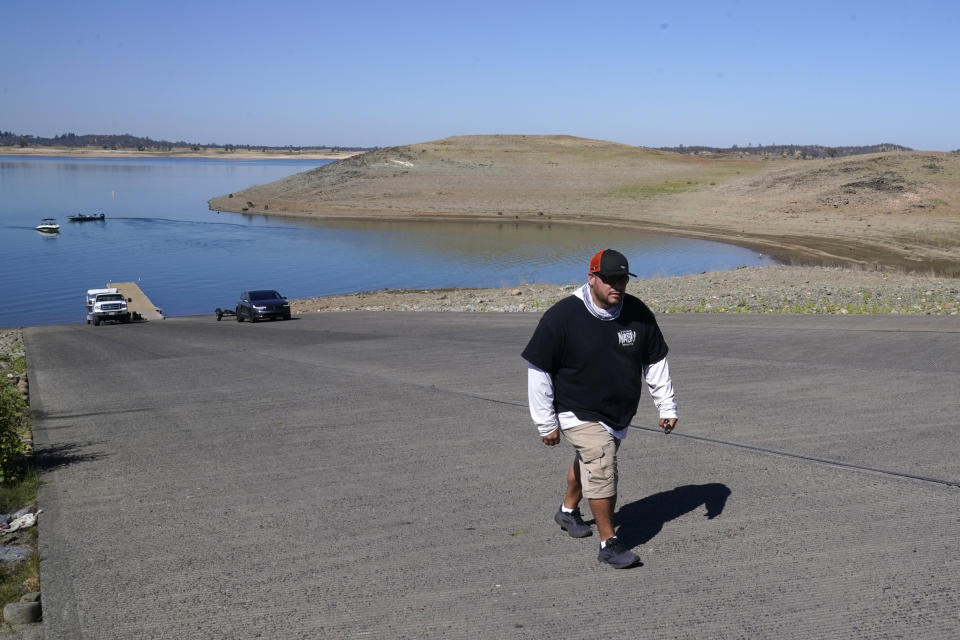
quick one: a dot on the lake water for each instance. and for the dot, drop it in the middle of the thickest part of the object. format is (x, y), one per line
(189, 260)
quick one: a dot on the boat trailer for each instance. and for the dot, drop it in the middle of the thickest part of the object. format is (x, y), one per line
(224, 312)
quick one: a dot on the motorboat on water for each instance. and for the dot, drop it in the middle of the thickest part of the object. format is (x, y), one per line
(86, 217)
(48, 225)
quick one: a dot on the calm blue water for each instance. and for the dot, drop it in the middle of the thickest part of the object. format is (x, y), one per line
(190, 260)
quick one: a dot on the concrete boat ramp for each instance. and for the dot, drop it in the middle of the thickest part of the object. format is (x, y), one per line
(137, 301)
(377, 475)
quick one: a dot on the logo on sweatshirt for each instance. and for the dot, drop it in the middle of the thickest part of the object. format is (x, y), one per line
(628, 337)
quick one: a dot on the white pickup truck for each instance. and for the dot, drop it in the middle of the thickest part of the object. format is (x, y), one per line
(106, 304)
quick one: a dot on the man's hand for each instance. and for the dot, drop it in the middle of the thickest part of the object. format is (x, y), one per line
(551, 439)
(667, 424)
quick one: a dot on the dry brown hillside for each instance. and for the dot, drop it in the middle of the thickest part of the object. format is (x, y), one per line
(898, 209)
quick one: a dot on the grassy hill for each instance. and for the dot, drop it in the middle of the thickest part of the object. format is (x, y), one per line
(897, 209)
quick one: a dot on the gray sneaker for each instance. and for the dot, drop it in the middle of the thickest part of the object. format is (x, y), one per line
(617, 555)
(572, 523)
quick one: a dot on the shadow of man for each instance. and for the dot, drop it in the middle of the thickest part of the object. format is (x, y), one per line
(641, 521)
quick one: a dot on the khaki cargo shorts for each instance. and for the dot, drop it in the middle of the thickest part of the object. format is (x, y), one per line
(597, 454)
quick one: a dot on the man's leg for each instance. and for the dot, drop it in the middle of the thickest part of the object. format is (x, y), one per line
(571, 521)
(602, 509)
(597, 467)
(574, 488)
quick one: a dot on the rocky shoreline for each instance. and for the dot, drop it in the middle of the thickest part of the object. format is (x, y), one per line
(11, 344)
(11, 340)
(21, 618)
(771, 289)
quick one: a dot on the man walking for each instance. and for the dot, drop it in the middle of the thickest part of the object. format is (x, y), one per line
(587, 362)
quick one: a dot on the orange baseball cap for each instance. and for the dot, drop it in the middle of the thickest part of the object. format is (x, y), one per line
(610, 263)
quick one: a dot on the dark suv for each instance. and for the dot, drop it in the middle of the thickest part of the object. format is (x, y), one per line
(262, 304)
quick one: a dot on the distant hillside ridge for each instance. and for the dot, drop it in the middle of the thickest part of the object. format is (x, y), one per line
(802, 151)
(893, 209)
(127, 141)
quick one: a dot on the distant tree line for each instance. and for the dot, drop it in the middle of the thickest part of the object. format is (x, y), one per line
(801, 151)
(127, 141)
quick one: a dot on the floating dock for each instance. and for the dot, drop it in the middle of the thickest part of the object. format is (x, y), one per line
(138, 302)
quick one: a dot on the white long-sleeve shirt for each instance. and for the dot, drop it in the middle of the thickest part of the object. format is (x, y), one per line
(545, 416)
(540, 384)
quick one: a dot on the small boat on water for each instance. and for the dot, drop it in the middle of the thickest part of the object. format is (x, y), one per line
(48, 225)
(86, 217)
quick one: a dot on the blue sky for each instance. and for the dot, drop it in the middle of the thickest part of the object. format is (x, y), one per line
(385, 73)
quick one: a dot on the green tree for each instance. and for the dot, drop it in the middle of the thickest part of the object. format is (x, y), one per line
(13, 425)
